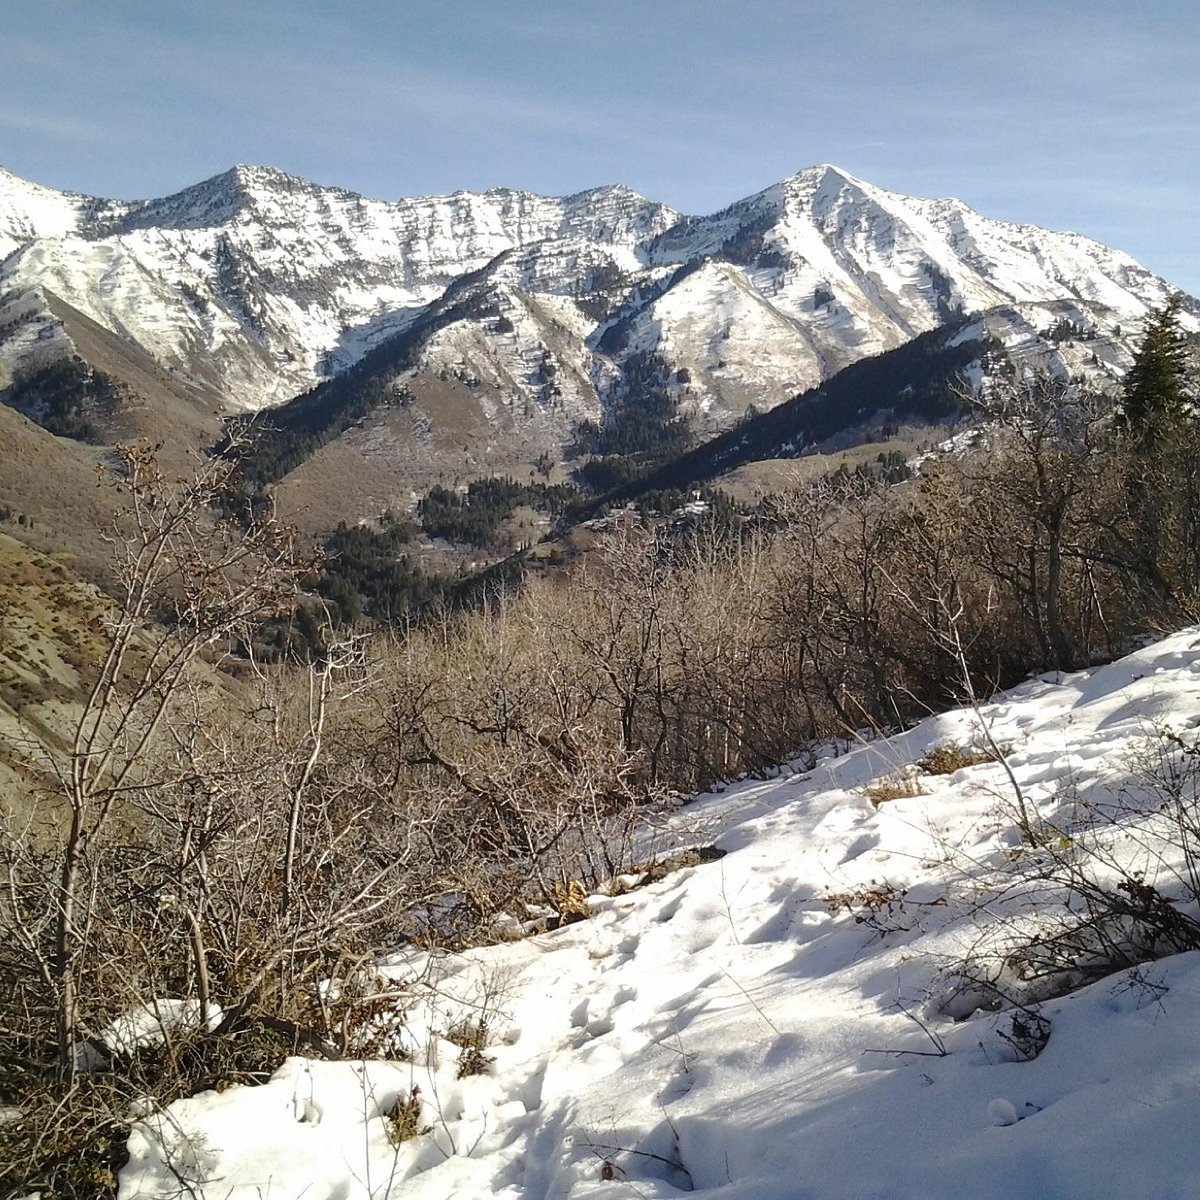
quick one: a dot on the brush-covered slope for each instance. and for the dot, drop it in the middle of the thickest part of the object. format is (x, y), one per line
(77, 389)
(836, 1009)
(49, 494)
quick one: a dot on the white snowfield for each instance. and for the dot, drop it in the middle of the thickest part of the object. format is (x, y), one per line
(731, 1032)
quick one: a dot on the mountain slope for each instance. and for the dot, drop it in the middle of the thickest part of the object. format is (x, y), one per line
(834, 1010)
(919, 383)
(61, 357)
(49, 496)
(449, 337)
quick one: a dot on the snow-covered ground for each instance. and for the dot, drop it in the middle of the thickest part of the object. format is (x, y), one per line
(760, 1027)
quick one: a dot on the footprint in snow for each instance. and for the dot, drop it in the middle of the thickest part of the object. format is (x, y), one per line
(774, 929)
(677, 1088)
(600, 1026)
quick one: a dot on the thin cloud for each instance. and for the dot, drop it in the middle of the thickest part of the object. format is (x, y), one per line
(68, 129)
(1002, 102)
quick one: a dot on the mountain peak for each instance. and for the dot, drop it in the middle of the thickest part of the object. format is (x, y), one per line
(803, 188)
(220, 198)
(825, 179)
(826, 171)
(256, 177)
(258, 172)
(249, 181)
(605, 191)
(11, 182)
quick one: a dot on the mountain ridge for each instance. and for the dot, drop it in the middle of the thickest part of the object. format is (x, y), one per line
(399, 253)
(258, 260)
(477, 331)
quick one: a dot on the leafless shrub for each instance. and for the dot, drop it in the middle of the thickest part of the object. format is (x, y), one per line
(234, 846)
(211, 859)
(1027, 1033)
(879, 907)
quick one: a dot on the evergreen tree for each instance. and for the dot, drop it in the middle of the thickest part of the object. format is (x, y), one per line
(1155, 402)
(1163, 481)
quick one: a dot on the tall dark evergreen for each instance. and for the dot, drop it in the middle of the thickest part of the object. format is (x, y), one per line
(1163, 487)
(1155, 408)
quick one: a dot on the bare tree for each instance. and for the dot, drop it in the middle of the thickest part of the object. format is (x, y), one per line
(210, 580)
(215, 847)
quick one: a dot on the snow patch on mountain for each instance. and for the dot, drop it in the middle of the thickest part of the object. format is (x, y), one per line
(29, 210)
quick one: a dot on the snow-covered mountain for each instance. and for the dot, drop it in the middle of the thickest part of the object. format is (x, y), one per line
(824, 269)
(258, 284)
(270, 282)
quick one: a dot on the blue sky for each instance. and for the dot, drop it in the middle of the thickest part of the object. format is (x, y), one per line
(1074, 114)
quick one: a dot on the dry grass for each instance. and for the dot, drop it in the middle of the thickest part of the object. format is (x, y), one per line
(51, 627)
(404, 1118)
(945, 760)
(751, 481)
(53, 630)
(897, 786)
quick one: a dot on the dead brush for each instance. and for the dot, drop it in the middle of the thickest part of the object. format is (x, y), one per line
(1027, 1034)
(80, 1146)
(571, 901)
(897, 786)
(945, 760)
(878, 907)
(471, 1037)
